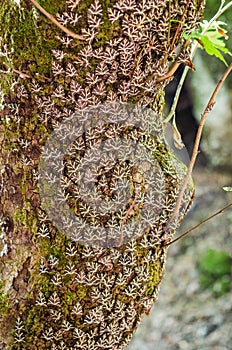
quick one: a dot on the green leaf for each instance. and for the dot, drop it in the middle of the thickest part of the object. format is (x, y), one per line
(213, 41)
(212, 49)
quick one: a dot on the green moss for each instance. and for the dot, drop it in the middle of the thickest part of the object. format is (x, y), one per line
(31, 38)
(156, 272)
(20, 218)
(54, 247)
(107, 30)
(33, 323)
(11, 135)
(4, 300)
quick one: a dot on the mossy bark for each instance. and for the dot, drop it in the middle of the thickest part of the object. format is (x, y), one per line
(56, 293)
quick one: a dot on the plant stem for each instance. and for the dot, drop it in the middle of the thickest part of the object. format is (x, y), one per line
(208, 108)
(53, 20)
(201, 223)
(179, 25)
(220, 11)
(177, 95)
(12, 70)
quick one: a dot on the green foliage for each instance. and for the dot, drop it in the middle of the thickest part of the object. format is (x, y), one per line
(215, 271)
(4, 302)
(212, 39)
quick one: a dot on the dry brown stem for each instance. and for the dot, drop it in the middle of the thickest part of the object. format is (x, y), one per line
(199, 224)
(53, 20)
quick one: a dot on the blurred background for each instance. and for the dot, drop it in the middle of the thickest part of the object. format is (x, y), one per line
(194, 308)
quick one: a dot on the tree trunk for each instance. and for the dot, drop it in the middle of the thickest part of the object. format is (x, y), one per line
(58, 291)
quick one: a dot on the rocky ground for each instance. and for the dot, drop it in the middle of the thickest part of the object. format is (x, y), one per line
(185, 317)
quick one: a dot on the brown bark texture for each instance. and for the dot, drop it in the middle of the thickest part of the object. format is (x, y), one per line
(55, 291)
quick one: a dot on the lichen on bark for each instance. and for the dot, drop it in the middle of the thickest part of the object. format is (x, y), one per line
(57, 293)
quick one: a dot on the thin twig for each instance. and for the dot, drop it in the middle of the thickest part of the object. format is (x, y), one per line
(199, 224)
(22, 74)
(12, 70)
(179, 25)
(172, 70)
(170, 73)
(52, 19)
(220, 11)
(196, 144)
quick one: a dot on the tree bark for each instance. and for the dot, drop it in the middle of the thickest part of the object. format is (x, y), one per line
(56, 293)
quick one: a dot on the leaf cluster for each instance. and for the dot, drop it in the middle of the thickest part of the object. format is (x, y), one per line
(212, 40)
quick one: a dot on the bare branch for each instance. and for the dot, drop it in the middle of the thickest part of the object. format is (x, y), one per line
(12, 70)
(53, 20)
(177, 32)
(199, 224)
